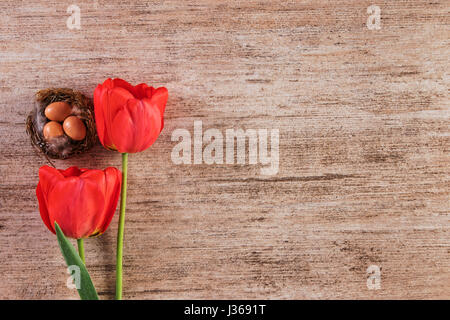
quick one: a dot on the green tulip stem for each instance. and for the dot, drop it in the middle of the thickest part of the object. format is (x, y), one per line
(81, 249)
(123, 200)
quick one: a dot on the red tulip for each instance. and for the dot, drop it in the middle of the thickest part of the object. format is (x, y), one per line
(129, 119)
(81, 201)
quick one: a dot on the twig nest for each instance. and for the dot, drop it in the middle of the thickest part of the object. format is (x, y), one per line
(61, 123)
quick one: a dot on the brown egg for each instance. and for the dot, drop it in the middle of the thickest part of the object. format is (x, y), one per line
(74, 128)
(58, 111)
(52, 129)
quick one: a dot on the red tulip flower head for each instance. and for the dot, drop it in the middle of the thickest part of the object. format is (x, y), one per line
(81, 201)
(129, 118)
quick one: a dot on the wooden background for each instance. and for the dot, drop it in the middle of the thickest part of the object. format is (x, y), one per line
(364, 172)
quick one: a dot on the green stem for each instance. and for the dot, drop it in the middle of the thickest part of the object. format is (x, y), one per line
(123, 200)
(81, 250)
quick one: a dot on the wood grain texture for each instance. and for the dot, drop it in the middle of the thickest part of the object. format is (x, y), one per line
(364, 172)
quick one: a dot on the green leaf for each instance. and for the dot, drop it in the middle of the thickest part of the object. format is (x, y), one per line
(87, 290)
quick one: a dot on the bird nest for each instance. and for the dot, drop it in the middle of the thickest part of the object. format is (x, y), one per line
(63, 146)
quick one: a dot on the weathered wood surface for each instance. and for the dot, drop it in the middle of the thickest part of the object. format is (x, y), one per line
(364, 174)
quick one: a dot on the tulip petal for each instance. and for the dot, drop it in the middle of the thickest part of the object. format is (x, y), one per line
(108, 83)
(113, 100)
(143, 123)
(113, 183)
(159, 99)
(71, 172)
(140, 91)
(98, 177)
(153, 127)
(43, 208)
(123, 135)
(48, 176)
(76, 203)
(140, 126)
(137, 91)
(100, 117)
(116, 100)
(123, 84)
(98, 112)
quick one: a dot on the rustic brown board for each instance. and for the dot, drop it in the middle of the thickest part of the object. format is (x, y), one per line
(364, 174)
